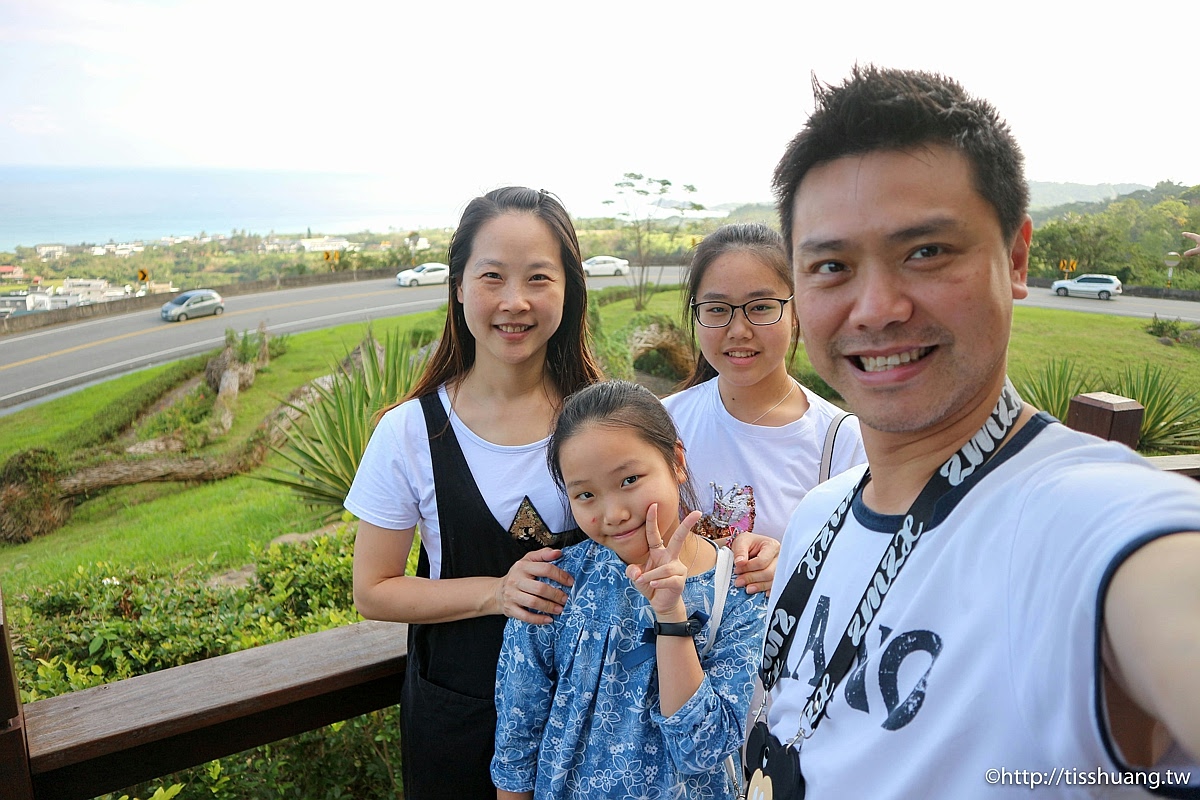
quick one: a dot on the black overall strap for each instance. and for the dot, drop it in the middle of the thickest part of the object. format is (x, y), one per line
(448, 714)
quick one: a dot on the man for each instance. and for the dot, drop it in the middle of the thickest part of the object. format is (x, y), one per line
(999, 602)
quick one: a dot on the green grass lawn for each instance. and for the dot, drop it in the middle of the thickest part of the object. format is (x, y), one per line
(210, 525)
(214, 526)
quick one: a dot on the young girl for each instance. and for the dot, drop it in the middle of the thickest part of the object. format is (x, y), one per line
(754, 435)
(628, 692)
(464, 457)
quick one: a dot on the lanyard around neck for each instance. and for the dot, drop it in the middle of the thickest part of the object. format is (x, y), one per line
(959, 474)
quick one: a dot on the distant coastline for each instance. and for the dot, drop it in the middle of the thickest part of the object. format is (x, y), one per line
(74, 205)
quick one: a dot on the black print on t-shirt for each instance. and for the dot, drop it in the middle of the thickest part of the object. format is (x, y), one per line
(900, 712)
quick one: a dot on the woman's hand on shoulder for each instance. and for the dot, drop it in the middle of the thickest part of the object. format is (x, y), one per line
(754, 559)
(521, 595)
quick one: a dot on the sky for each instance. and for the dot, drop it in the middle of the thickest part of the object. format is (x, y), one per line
(451, 99)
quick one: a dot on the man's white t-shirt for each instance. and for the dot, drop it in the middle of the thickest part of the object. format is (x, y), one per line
(750, 477)
(984, 656)
(394, 484)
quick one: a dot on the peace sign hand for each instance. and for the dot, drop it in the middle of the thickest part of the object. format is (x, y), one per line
(1195, 237)
(661, 578)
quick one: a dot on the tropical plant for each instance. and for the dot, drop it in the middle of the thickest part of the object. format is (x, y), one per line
(1171, 421)
(337, 419)
(1052, 387)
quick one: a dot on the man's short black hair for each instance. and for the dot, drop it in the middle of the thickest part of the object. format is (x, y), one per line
(890, 109)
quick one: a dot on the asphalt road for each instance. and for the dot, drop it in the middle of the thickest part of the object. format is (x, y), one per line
(50, 361)
(47, 362)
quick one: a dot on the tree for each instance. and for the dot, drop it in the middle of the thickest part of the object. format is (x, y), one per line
(647, 203)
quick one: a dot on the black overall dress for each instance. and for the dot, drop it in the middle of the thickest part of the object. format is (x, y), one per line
(447, 706)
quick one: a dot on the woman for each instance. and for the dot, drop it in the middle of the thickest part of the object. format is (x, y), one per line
(464, 457)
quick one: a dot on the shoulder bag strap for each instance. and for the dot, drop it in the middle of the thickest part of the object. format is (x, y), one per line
(720, 592)
(827, 451)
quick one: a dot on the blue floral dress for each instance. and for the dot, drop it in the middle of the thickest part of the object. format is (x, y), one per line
(577, 701)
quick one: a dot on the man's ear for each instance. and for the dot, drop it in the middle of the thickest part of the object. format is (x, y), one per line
(1019, 259)
(680, 462)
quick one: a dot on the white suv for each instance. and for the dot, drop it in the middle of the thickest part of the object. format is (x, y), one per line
(1102, 286)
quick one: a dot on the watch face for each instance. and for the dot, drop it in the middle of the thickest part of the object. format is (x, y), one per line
(772, 769)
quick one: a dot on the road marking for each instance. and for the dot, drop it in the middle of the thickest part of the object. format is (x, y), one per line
(119, 337)
(147, 357)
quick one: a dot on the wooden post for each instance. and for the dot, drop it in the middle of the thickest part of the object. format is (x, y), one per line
(14, 751)
(1109, 416)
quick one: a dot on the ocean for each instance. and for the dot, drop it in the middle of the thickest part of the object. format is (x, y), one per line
(72, 205)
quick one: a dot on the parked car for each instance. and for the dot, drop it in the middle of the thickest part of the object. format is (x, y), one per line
(1102, 286)
(605, 265)
(430, 272)
(194, 303)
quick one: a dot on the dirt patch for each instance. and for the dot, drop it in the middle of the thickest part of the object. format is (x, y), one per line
(660, 386)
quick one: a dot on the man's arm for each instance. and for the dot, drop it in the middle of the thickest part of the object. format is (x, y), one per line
(1152, 625)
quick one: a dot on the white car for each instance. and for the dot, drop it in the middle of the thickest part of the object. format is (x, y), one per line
(1101, 286)
(605, 265)
(431, 272)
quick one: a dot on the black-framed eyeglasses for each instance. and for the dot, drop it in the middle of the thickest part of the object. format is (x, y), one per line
(759, 311)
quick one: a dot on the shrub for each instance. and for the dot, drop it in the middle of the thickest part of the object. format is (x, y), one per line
(1171, 422)
(110, 622)
(1052, 388)
(327, 444)
(185, 420)
(1160, 328)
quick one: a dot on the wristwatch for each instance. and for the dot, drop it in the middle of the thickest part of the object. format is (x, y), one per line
(688, 627)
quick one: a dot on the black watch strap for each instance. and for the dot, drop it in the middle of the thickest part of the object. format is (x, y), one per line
(688, 627)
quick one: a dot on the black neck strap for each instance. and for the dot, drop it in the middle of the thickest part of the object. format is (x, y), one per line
(960, 472)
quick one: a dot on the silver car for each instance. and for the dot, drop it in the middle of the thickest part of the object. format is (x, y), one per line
(1102, 286)
(194, 303)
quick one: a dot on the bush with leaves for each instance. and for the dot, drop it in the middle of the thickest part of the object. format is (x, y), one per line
(1171, 421)
(186, 420)
(1052, 387)
(110, 622)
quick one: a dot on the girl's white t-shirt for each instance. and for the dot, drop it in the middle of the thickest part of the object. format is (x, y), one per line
(751, 477)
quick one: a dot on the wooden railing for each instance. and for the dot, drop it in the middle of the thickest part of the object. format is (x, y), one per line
(79, 745)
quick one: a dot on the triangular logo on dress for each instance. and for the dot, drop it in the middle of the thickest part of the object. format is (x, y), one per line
(527, 526)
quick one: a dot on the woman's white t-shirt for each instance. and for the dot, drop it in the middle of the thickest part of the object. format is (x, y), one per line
(394, 484)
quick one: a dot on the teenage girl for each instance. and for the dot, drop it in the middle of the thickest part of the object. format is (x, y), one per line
(463, 457)
(630, 691)
(754, 435)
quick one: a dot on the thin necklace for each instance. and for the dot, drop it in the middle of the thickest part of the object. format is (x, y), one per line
(791, 389)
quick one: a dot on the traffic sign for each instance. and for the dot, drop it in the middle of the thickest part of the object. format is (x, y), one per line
(143, 275)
